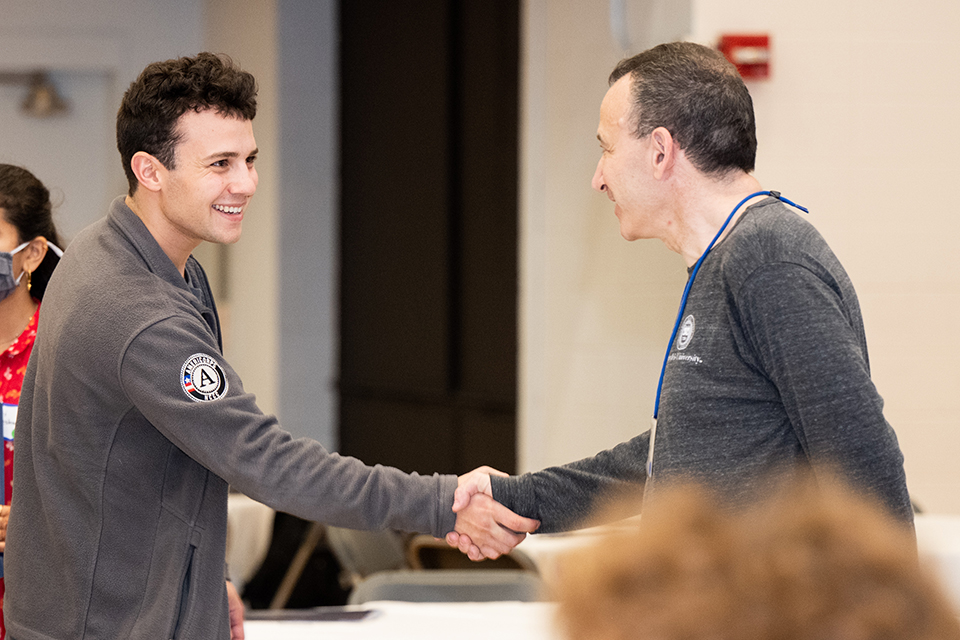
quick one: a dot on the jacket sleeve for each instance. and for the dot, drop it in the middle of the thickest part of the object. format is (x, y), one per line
(174, 374)
(797, 327)
(570, 496)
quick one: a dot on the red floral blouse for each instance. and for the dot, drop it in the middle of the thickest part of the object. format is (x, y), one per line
(13, 364)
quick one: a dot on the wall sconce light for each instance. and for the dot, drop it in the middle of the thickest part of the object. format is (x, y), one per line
(43, 100)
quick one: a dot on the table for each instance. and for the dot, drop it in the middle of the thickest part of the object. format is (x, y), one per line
(249, 529)
(422, 621)
(938, 539)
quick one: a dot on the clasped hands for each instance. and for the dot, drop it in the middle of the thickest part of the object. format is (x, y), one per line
(485, 529)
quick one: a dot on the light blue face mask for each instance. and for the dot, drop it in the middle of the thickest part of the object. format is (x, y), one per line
(9, 284)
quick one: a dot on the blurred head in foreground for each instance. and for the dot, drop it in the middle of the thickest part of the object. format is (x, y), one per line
(813, 563)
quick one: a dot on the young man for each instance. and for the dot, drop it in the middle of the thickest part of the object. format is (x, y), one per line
(132, 424)
(768, 372)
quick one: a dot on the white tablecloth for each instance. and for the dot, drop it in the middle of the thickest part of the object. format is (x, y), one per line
(249, 529)
(938, 539)
(547, 550)
(422, 621)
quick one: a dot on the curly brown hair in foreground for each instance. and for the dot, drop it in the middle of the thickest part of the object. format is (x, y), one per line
(164, 91)
(814, 562)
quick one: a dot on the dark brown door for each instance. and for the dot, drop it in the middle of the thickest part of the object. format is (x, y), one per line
(429, 233)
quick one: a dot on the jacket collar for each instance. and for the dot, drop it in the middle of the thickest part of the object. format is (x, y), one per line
(131, 227)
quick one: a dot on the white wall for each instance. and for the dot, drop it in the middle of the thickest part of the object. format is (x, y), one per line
(595, 311)
(308, 49)
(858, 122)
(79, 186)
(94, 49)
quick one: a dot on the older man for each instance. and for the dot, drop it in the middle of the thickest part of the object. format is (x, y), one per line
(767, 371)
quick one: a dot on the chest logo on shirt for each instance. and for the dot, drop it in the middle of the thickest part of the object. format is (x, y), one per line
(202, 378)
(685, 334)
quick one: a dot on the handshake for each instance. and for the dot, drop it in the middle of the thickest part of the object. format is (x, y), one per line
(485, 529)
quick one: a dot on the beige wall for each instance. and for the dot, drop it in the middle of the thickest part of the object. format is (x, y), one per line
(93, 49)
(595, 312)
(858, 122)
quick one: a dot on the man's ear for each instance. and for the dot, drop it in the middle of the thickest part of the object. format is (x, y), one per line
(663, 151)
(148, 170)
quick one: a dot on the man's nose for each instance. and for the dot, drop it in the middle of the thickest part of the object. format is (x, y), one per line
(598, 183)
(245, 181)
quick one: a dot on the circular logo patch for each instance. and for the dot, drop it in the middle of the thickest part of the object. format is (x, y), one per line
(685, 335)
(202, 378)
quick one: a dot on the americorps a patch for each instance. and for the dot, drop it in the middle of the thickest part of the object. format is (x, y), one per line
(202, 378)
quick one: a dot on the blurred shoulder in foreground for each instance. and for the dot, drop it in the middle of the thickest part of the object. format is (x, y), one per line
(813, 561)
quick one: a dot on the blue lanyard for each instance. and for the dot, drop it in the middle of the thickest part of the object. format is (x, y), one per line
(683, 304)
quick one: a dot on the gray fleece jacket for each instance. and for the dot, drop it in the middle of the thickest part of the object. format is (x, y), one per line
(131, 426)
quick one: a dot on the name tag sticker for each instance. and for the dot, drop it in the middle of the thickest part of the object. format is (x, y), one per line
(9, 420)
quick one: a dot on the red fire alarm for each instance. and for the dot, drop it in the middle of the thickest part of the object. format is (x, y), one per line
(750, 54)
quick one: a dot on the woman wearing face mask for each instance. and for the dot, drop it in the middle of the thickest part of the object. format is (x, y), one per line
(28, 254)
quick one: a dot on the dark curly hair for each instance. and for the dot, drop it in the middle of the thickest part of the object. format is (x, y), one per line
(26, 205)
(152, 105)
(699, 97)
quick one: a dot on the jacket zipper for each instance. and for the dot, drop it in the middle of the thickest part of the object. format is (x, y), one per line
(184, 592)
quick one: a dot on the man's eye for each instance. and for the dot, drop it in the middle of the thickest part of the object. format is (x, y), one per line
(221, 163)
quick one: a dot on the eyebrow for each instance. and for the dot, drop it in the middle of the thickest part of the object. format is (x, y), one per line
(231, 154)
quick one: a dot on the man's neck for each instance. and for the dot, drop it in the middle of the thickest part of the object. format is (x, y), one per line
(153, 219)
(703, 210)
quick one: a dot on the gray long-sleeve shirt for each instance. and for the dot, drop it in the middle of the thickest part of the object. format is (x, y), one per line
(770, 376)
(131, 426)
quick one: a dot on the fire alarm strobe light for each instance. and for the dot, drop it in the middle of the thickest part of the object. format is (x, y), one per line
(750, 54)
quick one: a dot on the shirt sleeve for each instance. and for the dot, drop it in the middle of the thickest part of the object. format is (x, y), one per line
(571, 496)
(181, 384)
(800, 331)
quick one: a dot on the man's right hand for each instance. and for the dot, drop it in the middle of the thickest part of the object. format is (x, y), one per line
(485, 529)
(472, 483)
